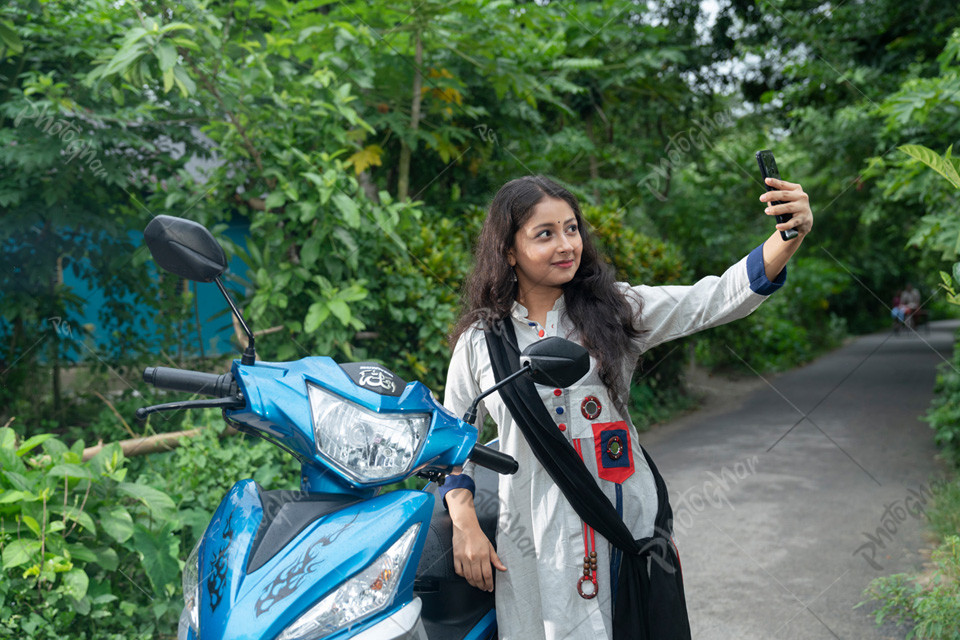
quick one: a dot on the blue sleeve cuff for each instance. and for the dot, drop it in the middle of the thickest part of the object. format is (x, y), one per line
(461, 481)
(759, 283)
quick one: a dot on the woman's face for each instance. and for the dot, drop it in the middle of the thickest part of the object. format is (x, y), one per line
(546, 249)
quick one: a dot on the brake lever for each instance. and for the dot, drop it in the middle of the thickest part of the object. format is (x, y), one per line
(237, 402)
(433, 476)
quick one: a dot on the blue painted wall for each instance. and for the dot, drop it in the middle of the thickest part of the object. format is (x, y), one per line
(217, 330)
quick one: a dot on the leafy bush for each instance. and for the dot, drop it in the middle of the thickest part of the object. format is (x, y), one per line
(944, 518)
(420, 294)
(931, 608)
(637, 257)
(81, 542)
(944, 411)
(657, 397)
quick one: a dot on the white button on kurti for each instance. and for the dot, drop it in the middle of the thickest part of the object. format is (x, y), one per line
(539, 536)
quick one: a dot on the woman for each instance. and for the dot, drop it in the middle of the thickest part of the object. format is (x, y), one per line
(537, 268)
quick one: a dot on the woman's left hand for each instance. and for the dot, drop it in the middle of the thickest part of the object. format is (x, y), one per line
(794, 200)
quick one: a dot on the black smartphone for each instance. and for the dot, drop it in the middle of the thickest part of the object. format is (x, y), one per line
(768, 169)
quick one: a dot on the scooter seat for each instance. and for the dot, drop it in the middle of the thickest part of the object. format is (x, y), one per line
(448, 598)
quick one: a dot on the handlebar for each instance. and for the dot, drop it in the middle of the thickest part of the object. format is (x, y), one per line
(209, 384)
(494, 460)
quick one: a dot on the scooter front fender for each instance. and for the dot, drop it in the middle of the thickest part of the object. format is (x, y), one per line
(241, 600)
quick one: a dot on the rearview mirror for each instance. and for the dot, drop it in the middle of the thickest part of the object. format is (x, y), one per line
(556, 362)
(185, 248)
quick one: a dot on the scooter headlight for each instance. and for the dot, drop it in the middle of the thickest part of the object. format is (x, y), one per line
(189, 618)
(367, 446)
(361, 596)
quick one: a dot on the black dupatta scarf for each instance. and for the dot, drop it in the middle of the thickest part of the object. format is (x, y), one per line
(650, 603)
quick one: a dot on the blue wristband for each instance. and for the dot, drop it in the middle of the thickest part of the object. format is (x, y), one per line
(461, 481)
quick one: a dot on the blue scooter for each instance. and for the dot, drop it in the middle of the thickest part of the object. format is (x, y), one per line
(335, 559)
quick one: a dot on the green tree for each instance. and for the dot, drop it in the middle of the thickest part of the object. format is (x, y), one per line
(820, 73)
(72, 168)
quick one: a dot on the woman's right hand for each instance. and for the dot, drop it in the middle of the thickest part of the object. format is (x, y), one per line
(473, 554)
(474, 557)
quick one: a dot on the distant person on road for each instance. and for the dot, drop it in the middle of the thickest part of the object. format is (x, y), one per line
(906, 305)
(538, 274)
(910, 298)
(895, 311)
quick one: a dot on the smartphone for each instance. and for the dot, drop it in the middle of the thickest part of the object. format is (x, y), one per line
(768, 169)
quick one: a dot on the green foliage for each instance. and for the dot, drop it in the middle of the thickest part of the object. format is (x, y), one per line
(657, 394)
(317, 116)
(81, 540)
(827, 107)
(940, 231)
(70, 199)
(928, 606)
(711, 170)
(637, 257)
(947, 284)
(944, 516)
(419, 291)
(928, 603)
(945, 166)
(943, 414)
(922, 110)
(509, 89)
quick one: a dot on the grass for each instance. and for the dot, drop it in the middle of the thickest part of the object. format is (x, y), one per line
(927, 603)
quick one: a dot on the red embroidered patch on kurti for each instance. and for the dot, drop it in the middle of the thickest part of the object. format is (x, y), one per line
(611, 442)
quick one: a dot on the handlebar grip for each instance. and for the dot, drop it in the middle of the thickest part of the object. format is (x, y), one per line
(494, 460)
(209, 384)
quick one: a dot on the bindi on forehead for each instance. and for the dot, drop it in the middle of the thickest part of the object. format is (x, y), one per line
(558, 223)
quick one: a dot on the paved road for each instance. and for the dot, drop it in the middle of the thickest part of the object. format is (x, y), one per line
(774, 530)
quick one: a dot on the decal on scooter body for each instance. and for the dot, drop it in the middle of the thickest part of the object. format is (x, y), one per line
(291, 575)
(313, 564)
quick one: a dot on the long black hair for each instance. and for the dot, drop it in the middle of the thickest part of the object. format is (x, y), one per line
(595, 306)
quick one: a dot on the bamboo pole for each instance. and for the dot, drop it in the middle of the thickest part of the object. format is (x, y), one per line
(143, 446)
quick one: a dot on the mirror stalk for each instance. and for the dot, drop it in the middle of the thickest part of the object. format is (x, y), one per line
(249, 354)
(471, 415)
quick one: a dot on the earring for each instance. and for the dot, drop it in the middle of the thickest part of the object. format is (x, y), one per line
(513, 272)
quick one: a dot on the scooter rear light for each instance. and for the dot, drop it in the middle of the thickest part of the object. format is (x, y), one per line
(365, 594)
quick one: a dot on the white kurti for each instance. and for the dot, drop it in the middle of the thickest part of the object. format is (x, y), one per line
(539, 536)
